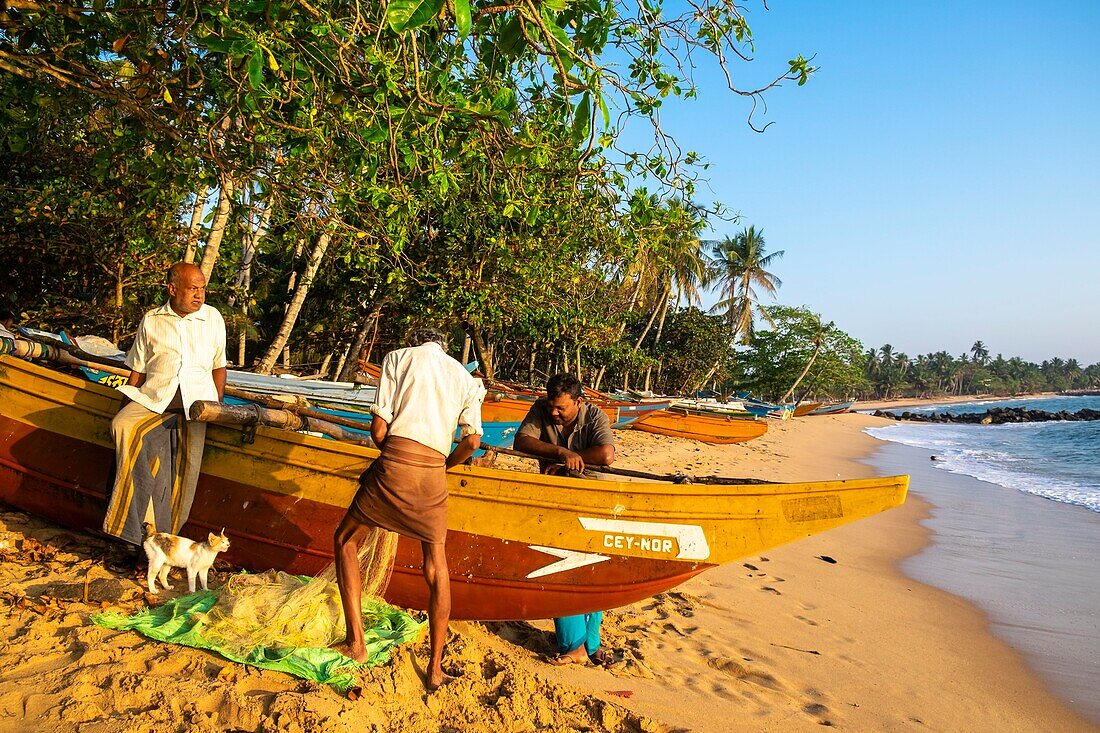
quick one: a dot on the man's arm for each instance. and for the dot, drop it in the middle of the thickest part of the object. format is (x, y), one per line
(219, 382)
(464, 449)
(597, 455)
(379, 429)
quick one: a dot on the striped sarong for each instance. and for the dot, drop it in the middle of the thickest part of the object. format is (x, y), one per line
(158, 457)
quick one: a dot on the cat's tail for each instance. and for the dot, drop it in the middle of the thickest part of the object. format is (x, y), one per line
(149, 530)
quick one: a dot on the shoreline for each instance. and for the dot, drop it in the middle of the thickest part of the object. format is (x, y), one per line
(905, 402)
(858, 643)
(778, 642)
(1025, 561)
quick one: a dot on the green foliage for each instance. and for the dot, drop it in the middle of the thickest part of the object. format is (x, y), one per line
(779, 354)
(458, 153)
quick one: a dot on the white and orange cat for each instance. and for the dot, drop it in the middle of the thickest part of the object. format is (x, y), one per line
(166, 551)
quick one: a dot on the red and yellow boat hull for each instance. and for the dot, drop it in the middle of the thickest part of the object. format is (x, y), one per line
(520, 546)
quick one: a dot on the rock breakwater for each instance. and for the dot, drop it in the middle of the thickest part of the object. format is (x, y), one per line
(994, 416)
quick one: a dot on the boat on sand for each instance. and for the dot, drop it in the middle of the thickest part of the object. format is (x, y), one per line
(708, 428)
(520, 545)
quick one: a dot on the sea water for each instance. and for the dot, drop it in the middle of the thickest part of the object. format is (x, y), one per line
(1015, 529)
(1055, 460)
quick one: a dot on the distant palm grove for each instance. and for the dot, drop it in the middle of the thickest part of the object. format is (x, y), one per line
(891, 373)
(343, 171)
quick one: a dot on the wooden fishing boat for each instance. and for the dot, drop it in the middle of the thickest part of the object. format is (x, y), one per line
(520, 545)
(497, 408)
(805, 408)
(707, 428)
(734, 410)
(834, 409)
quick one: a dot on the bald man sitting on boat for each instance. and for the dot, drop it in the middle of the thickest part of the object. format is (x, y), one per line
(566, 432)
(178, 357)
(423, 395)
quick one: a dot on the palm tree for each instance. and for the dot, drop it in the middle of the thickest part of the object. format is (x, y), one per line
(980, 353)
(818, 337)
(740, 265)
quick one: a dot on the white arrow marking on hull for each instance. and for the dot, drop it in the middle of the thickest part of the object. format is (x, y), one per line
(689, 537)
(570, 559)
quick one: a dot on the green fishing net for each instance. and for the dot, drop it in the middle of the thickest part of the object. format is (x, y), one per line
(283, 622)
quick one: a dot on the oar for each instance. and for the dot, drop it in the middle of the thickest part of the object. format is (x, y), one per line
(675, 478)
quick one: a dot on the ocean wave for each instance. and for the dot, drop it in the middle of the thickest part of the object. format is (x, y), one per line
(1044, 459)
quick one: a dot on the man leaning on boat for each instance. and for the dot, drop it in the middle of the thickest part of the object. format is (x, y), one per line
(566, 432)
(178, 357)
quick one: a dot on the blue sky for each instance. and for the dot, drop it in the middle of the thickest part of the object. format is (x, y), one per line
(935, 183)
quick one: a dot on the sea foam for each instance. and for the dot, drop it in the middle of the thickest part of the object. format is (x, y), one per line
(1054, 460)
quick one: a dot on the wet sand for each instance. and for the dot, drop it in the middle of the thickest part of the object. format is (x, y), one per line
(1028, 562)
(779, 642)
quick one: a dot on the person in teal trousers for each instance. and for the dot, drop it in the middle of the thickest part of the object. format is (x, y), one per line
(564, 431)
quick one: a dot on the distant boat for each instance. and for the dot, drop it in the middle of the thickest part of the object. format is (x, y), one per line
(805, 408)
(760, 408)
(498, 408)
(834, 409)
(705, 428)
(519, 545)
(706, 407)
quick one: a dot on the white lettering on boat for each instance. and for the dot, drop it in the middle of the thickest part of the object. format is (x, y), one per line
(654, 537)
(570, 559)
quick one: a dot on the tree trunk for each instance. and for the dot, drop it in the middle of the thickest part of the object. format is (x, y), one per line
(481, 351)
(324, 366)
(603, 369)
(295, 306)
(299, 247)
(196, 224)
(119, 281)
(466, 348)
(580, 378)
(649, 323)
(347, 371)
(805, 371)
(340, 364)
(217, 227)
(657, 339)
(249, 243)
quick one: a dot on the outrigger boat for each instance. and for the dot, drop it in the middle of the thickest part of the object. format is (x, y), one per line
(836, 408)
(498, 408)
(805, 408)
(520, 545)
(706, 428)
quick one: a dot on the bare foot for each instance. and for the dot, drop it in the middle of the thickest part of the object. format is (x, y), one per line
(356, 652)
(437, 679)
(577, 656)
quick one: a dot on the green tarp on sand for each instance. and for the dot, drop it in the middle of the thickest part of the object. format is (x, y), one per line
(182, 621)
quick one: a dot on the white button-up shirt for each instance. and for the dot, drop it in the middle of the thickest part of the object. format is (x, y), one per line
(424, 394)
(176, 352)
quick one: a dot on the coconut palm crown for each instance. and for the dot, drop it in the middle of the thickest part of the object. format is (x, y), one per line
(740, 265)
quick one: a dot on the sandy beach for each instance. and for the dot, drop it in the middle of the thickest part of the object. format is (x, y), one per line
(825, 631)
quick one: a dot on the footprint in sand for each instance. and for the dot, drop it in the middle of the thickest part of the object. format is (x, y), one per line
(807, 621)
(771, 590)
(818, 711)
(737, 670)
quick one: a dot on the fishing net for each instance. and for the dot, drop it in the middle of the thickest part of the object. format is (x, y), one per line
(273, 610)
(274, 620)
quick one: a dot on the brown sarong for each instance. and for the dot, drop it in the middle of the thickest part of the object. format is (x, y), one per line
(405, 491)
